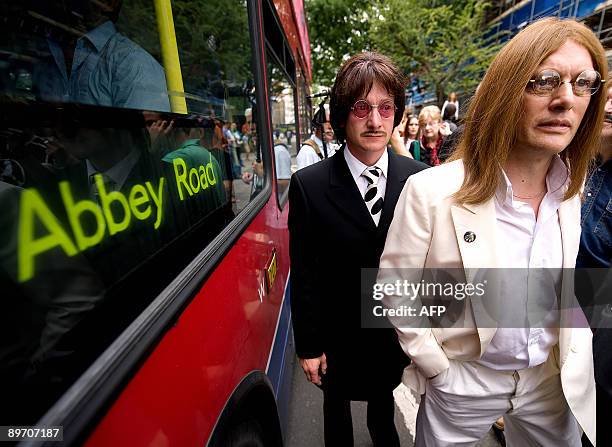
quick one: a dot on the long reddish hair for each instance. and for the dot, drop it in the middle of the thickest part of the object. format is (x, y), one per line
(490, 125)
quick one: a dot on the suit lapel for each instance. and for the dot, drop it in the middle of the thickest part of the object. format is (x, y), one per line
(395, 184)
(475, 232)
(345, 196)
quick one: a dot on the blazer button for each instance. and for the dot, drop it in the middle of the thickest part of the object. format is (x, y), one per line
(469, 237)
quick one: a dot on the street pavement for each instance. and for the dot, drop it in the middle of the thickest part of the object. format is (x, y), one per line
(305, 427)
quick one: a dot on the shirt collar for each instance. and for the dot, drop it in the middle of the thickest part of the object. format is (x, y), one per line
(190, 142)
(101, 34)
(357, 167)
(121, 171)
(557, 182)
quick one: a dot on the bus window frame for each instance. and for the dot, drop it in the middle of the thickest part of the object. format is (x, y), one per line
(86, 401)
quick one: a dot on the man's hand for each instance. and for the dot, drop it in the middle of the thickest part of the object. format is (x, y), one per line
(397, 143)
(311, 368)
(159, 127)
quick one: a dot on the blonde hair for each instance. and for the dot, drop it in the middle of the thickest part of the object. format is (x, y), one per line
(491, 125)
(429, 112)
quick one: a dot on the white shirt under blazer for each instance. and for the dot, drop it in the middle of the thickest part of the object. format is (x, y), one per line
(428, 231)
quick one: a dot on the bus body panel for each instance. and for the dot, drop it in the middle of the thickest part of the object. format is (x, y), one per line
(226, 332)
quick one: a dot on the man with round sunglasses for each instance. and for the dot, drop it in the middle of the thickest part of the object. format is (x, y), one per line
(507, 205)
(340, 210)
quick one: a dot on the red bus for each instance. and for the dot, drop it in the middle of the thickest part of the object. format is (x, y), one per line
(147, 147)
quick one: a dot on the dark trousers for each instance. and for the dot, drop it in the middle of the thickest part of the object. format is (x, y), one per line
(338, 423)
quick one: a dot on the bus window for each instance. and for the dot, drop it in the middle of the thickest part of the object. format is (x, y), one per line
(121, 158)
(74, 52)
(282, 99)
(304, 105)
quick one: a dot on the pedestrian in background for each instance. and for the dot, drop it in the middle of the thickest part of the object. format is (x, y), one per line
(596, 253)
(452, 99)
(411, 132)
(312, 150)
(404, 134)
(448, 116)
(432, 132)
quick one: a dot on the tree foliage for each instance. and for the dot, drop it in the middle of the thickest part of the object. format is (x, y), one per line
(440, 41)
(212, 51)
(337, 29)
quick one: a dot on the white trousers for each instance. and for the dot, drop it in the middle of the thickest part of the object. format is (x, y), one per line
(461, 403)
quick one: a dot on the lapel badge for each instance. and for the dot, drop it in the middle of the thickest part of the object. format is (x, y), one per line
(469, 237)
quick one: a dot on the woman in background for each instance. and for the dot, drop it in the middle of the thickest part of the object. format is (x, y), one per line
(452, 99)
(432, 132)
(411, 130)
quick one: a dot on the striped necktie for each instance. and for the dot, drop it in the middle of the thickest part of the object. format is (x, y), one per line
(373, 197)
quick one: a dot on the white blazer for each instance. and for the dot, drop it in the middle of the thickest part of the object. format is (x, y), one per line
(428, 231)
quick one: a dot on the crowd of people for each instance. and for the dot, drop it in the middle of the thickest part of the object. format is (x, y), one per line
(501, 200)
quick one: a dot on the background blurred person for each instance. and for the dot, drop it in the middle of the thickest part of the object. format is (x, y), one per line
(238, 142)
(404, 134)
(596, 253)
(432, 133)
(448, 116)
(312, 150)
(452, 99)
(411, 131)
(220, 150)
(596, 236)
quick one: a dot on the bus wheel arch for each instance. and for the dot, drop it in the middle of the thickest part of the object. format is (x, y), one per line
(250, 417)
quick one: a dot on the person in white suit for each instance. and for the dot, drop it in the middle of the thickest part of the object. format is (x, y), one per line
(508, 198)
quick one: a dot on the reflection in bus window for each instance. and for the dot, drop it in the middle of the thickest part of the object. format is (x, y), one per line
(101, 184)
(72, 52)
(199, 184)
(36, 316)
(304, 106)
(282, 163)
(282, 99)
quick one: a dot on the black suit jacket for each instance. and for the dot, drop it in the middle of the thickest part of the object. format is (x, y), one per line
(332, 237)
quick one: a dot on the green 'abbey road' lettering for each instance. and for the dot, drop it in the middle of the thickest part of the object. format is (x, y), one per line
(33, 209)
(194, 180)
(30, 246)
(111, 216)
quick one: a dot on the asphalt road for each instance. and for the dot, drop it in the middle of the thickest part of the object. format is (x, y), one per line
(305, 426)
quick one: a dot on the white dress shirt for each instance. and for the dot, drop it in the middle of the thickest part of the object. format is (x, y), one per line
(356, 167)
(307, 155)
(531, 254)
